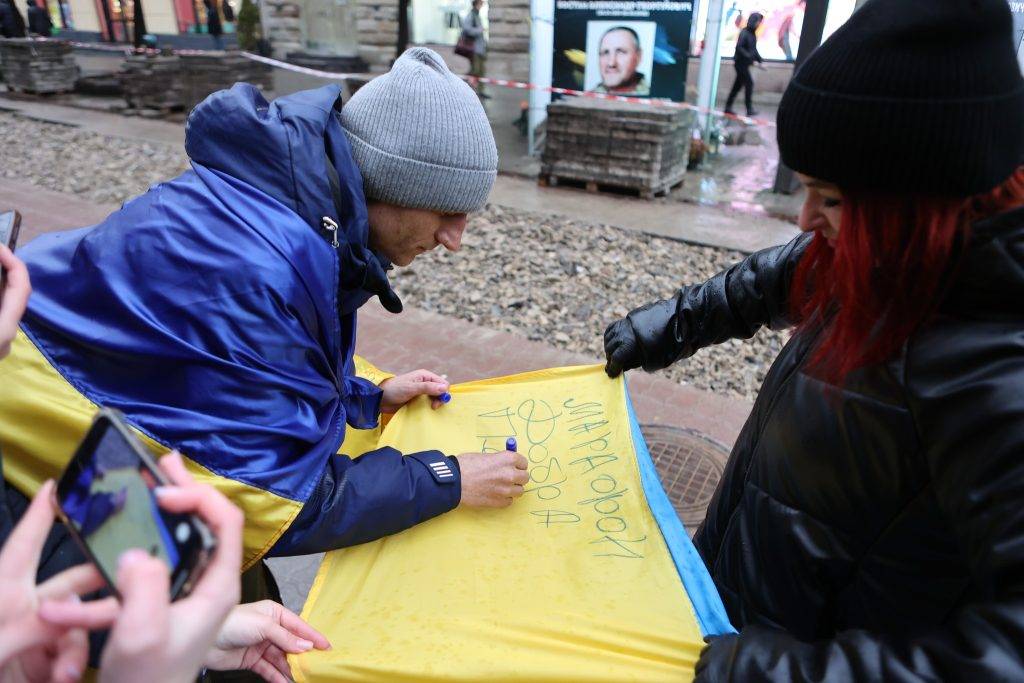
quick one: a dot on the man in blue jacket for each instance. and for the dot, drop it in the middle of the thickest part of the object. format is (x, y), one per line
(218, 310)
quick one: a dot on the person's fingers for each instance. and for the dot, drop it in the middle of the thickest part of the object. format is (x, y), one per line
(428, 376)
(517, 490)
(520, 462)
(521, 477)
(278, 660)
(20, 555)
(14, 297)
(93, 615)
(612, 368)
(144, 623)
(72, 657)
(270, 672)
(430, 388)
(285, 639)
(25, 633)
(79, 580)
(294, 623)
(174, 467)
(220, 582)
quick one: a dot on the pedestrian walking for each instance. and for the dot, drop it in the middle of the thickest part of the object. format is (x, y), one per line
(869, 525)
(39, 22)
(12, 25)
(473, 26)
(745, 57)
(213, 24)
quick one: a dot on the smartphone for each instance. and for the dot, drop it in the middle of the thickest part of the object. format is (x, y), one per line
(10, 224)
(105, 497)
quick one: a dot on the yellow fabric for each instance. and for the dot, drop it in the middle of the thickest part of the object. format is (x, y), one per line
(43, 419)
(368, 370)
(573, 582)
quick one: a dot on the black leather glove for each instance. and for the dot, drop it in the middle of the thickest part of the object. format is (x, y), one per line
(621, 348)
(713, 664)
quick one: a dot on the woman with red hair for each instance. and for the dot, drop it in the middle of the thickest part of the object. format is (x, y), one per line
(870, 521)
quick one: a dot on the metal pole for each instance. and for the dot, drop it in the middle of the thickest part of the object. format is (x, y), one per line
(542, 46)
(810, 38)
(403, 28)
(710, 63)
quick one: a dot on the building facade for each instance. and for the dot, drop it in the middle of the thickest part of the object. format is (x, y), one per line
(369, 29)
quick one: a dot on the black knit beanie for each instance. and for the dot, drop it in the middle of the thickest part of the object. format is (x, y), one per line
(910, 96)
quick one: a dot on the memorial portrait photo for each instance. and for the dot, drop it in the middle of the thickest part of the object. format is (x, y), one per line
(620, 55)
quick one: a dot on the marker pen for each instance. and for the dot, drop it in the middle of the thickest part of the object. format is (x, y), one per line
(445, 397)
(510, 444)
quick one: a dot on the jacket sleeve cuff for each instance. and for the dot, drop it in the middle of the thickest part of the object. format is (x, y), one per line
(362, 403)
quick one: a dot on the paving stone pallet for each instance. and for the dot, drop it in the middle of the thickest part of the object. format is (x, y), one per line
(213, 71)
(32, 66)
(153, 82)
(604, 144)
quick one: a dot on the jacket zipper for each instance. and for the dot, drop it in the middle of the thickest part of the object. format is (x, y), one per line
(331, 227)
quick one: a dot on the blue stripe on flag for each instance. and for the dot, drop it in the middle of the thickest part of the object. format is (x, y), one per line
(707, 604)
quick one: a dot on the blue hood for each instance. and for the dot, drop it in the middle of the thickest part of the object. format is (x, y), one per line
(213, 310)
(281, 149)
(289, 150)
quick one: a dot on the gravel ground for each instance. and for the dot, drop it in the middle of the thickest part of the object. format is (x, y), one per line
(550, 279)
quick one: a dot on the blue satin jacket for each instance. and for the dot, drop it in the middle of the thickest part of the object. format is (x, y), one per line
(217, 311)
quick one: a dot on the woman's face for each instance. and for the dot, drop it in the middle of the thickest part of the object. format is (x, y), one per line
(823, 208)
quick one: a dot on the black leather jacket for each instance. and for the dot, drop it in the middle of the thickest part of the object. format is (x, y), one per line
(874, 533)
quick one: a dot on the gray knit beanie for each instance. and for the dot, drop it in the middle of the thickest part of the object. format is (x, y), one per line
(420, 137)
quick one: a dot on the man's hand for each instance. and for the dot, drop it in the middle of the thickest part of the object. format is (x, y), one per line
(257, 636)
(621, 348)
(401, 389)
(492, 480)
(13, 299)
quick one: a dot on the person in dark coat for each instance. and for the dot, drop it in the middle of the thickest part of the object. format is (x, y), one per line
(39, 22)
(213, 25)
(869, 525)
(12, 25)
(746, 56)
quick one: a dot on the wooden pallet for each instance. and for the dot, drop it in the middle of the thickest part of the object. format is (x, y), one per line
(595, 187)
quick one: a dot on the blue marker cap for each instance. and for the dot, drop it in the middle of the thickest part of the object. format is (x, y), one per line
(510, 444)
(445, 397)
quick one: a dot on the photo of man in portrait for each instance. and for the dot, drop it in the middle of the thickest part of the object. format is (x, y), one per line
(619, 57)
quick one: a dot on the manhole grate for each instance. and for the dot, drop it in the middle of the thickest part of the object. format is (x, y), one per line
(690, 465)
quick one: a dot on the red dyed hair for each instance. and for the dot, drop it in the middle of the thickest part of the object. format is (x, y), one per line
(888, 272)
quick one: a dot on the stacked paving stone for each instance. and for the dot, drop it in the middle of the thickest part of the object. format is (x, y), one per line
(377, 27)
(38, 66)
(212, 71)
(508, 44)
(616, 144)
(282, 23)
(152, 81)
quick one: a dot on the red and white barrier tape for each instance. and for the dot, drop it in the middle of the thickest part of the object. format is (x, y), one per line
(472, 80)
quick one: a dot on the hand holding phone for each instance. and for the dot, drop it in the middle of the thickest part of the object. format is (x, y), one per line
(14, 282)
(108, 498)
(10, 225)
(151, 638)
(31, 648)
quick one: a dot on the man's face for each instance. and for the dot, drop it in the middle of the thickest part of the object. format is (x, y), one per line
(401, 234)
(618, 57)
